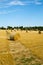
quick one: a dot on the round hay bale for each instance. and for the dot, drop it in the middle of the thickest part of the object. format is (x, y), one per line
(39, 32)
(11, 37)
(17, 36)
(14, 37)
(26, 30)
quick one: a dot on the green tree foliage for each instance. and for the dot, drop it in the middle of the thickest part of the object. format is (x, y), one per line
(9, 27)
(35, 28)
(3, 28)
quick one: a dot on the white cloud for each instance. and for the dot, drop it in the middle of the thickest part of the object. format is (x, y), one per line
(6, 3)
(16, 3)
(37, 2)
(7, 12)
(9, 3)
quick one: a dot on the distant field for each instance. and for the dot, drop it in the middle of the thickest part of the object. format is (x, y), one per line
(8, 49)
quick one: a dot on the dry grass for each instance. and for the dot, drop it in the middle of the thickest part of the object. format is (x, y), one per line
(6, 59)
(31, 40)
(34, 42)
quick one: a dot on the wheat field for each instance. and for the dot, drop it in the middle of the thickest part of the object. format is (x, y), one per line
(27, 50)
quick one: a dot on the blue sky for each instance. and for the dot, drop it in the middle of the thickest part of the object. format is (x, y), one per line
(21, 12)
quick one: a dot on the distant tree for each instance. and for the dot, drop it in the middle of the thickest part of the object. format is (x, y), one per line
(21, 27)
(3, 28)
(9, 27)
(16, 28)
(40, 28)
(35, 28)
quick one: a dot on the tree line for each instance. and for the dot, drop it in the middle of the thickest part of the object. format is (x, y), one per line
(35, 28)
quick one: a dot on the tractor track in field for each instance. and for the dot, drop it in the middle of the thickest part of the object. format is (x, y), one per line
(18, 50)
(20, 54)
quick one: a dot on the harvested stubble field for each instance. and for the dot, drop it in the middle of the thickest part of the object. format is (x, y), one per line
(27, 50)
